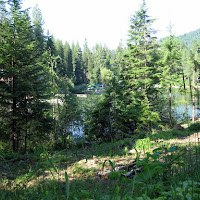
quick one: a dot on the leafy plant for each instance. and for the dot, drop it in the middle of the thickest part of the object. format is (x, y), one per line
(142, 144)
(156, 168)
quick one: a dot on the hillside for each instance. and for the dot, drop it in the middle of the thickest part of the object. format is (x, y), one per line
(190, 37)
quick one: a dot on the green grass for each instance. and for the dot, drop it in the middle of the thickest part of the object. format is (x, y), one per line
(170, 171)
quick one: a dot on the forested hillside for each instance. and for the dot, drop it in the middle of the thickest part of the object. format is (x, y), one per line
(190, 37)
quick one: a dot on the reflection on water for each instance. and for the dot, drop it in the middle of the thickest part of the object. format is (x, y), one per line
(182, 105)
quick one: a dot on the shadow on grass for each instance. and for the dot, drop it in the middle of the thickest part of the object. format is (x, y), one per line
(16, 167)
(90, 188)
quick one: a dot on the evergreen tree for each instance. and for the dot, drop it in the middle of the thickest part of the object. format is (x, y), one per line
(117, 58)
(101, 60)
(50, 44)
(171, 67)
(106, 121)
(130, 100)
(139, 74)
(38, 30)
(24, 80)
(68, 60)
(86, 61)
(61, 69)
(77, 64)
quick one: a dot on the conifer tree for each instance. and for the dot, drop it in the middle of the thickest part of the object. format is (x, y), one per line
(77, 64)
(24, 80)
(86, 57)
(117, 57)
(106, 121)
(68, 60)
(129, 102)
(171, 66)
(38, 30)
(139, 74)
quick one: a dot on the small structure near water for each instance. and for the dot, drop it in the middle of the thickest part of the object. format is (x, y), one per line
(97, 87)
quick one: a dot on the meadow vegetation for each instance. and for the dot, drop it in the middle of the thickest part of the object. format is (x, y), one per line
(166, 166)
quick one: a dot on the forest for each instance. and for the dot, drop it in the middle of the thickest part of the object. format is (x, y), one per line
(126, 141)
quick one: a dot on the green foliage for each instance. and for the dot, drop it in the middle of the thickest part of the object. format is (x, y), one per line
(139, 74)
(25, 83)
(105, 122)
(165, 173)
(143, 144)
(194, 127)
(183, 190)
(189, 38)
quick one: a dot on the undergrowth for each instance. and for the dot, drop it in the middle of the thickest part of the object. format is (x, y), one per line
(163, 171)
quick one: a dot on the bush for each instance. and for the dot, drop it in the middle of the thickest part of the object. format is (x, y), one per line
(79, 89)
(194, 127)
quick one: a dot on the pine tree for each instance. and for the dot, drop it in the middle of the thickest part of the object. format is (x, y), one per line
(117, 58)
(139, 74)
(50, 44)
(77, 64)
(38, 30)
(171, 67)
(101, 60)
(106, 121)
(68, 60)
(87, 61)
(24, 80)
(130, 100)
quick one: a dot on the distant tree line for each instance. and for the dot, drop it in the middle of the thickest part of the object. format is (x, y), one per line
(191, 37)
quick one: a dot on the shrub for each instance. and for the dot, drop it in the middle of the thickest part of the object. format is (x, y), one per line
(194, 127)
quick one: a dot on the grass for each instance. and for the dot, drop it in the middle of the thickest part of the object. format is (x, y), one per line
(170, 163)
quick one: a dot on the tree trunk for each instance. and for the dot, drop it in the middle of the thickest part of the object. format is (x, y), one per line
(193, 108)
(26, 135)
(14, 120)
(170, 104)
(184, 81)
(193, 95)
(190, 87)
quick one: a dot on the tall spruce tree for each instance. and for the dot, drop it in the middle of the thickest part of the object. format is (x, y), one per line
(24, 80)
(86, 57)
(139, 73)
(130, 100)
(77, 64)
(68, 60)
(38, 30)
(117, 58)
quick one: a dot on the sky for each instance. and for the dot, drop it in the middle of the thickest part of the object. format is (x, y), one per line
(107, 22)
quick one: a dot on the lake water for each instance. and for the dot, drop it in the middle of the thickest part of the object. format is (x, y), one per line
(182, 105)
